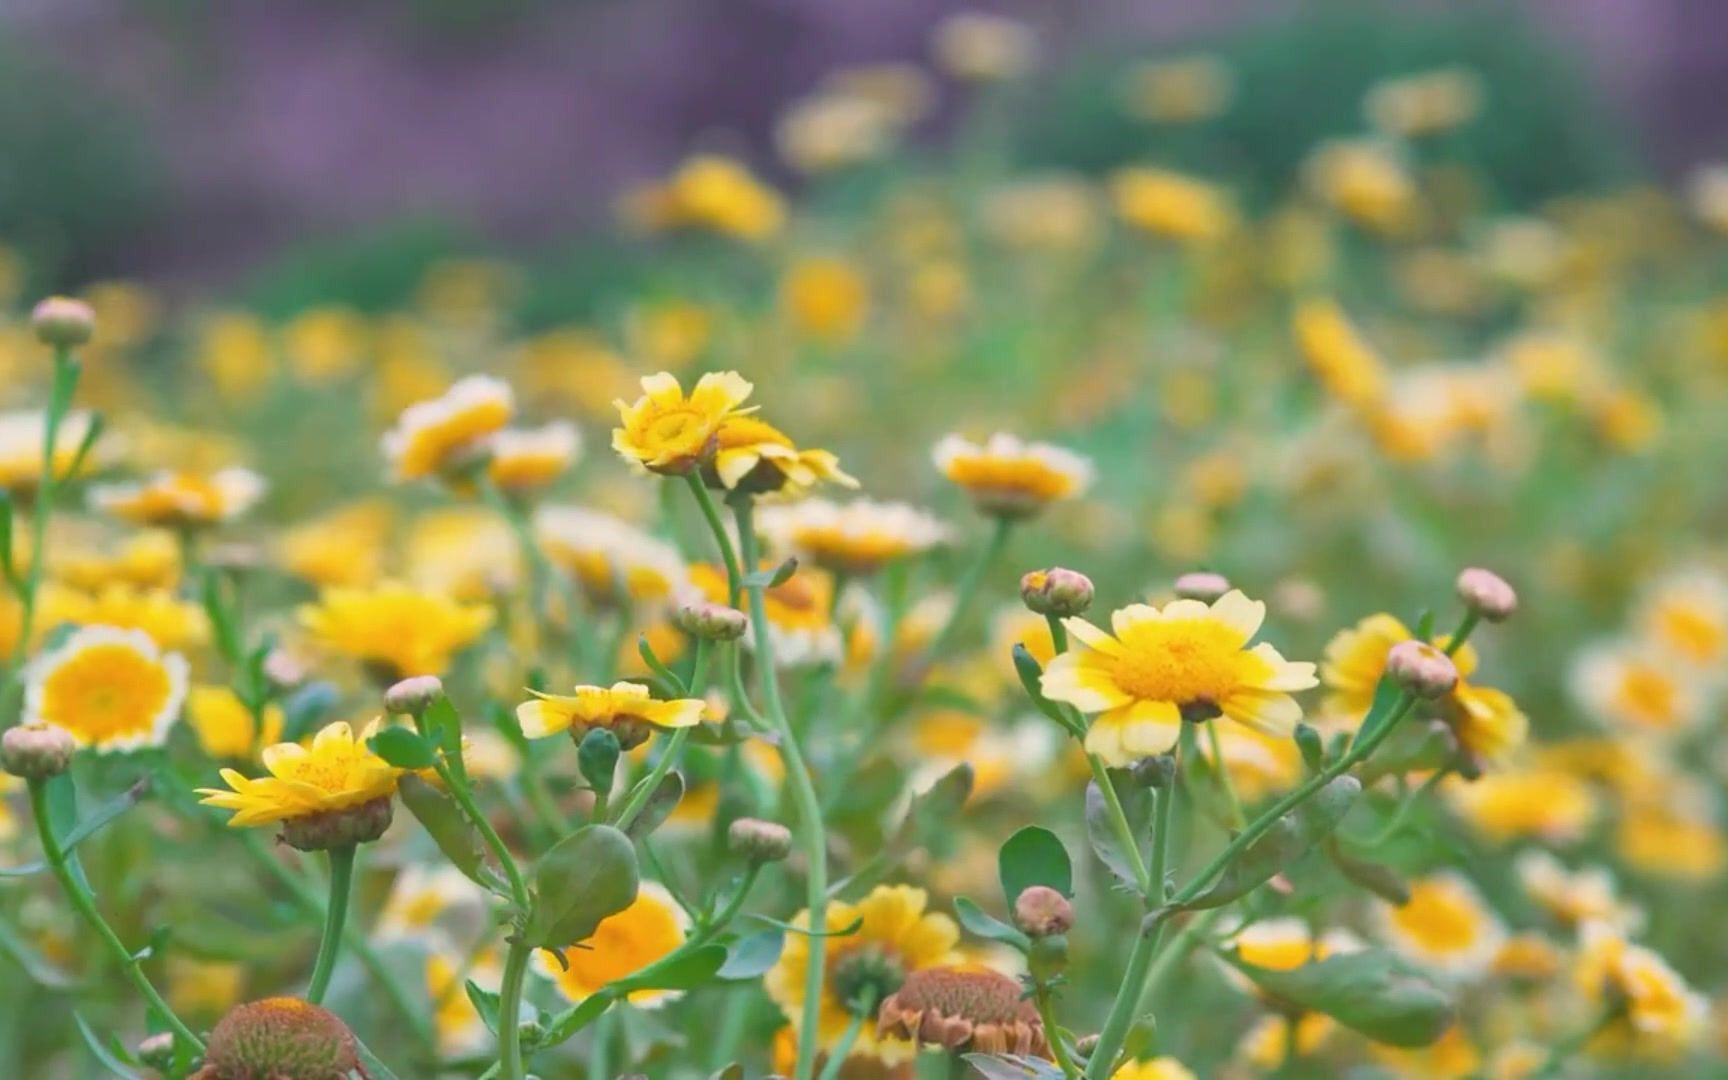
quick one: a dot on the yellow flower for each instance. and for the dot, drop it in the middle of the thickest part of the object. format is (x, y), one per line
(1546, 804)
(625, 707)
(423, 899)
(1181, 90)
(1006, 477)
(465, 552)
(342, 547)
(1172, 205)
(1346, 365)
(754, 456)
(711, 193)
(604, 553)
(234, 351)
(110, 689)
(1186, 660)
(666, 432)
(1686, 615)
(530, 460)
(623, 944)
(896, 936)
(671, 334)
(1285, 944)
(336, 772)
(400, 629)
(182, 500)
(172, 623)
(856, 538)
(1574, 897)
(826, 298)
(204, 988)
(226, 728)
(1637, 688)
(432, 437)
(1158, 1068)
(1444, 925)
(982, 47)
(1042, 215)
(1655, 1014)
(1677, 838)
(1268, 1042)
(323, 344)
(21, 437)
(799, 613)
(1365, 181)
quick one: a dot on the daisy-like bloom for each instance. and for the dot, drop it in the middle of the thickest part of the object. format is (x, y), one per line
(604, 553)
(1654, 1013)
(425, 900)
(798, 613)
(226, 728)
(1172, 205)
(343, 547)
(447, 432)
(1365, 181)
(110, 689)
(529, 459)
(896, 937)
(624, 943)
(1686, 616)
(1158, 1068)
(624, 708)
(1637, 687)
(395, 629)
(825, 298)
(963, 1009)
(21, 437)
(1445, 925)
(1186, 660)
(1575, 897)
(331, 793)
(1008, 478)
(1487, 722)
(172, 623)
(713, 194)
(464, 552)
(460, 1028)
(1675, 836)
(1550, 805)
(855, 538)
(980, 46)
(182, 500)
(753, 456)
(1346, 365)
(666, 432)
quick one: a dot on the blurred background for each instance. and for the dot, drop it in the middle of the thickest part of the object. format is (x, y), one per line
(261, 146)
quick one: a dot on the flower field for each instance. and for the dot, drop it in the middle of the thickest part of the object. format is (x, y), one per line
(910, 612)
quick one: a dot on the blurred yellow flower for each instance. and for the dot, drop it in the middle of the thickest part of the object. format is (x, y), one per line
(181, 500)
(460, 1027)
(1574, 897)
(226, 728)
(800, 613)
(605, 554)
(1685, 614)
(623, 944)
(1172, 205)
(1453, 1056)
(1344, 363)
(1427, 103)
(144, 560)
(393, 627)
(983, 47)
(1545, 804)
(709, 193)
(1180, 90)
(443, 434)
(324, 344)
(1445, 925)
(110, 689)
(529, 460)
(1365, 181)
(855, 538)
(825, 298)
(1637, 687)
(1006, 477)
(1159, 1068)
(342, 547)
(235, 351)
(1649, 1008)
(173, 624)
(22, 435)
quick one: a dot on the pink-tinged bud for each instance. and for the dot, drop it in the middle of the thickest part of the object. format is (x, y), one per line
(1202, 585)
(1421, 669)
(63, 322)
(330, 829)
(1041, 911)
(710, 621)
(759, 841)
(157, 1051)
(1487, 594)
(36, 751)
(414, 695)
(282, 1038)
(1057, 591)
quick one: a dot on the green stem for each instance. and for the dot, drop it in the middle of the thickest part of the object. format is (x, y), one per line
(1459, 636)
(843, 1049)
(711, 514)
(335, 918)
(644, 790)
(968, 588)
(86, 905)
(1047, 1013)
(65, 381)
(494, 843)
(1402, 813)
(811, 832)
(1125, 838)
(510, 1010)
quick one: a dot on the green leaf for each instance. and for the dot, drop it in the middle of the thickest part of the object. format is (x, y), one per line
(62, 798)
(43, 971)
(444, 725)
(101, 1053)
(404, 749)
(1386, 698)
(845, 931)
(1034, 856)
(574, 1019)
(695, 968)
(753, 954)
(584, 878)
(984, 925)
(1285, 842)
(733, 1071)
(485, 1003)
(6, 563)
(1137, 805)
(1374, 992)
(1031, 676)
(450, 829)
(1377, 878)
(106, 813)
(933, 810)
(769, 579)
(668, 793)
(375, 1069)
(1313, 751)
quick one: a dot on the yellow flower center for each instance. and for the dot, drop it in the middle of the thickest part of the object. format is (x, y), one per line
(1183, 661)
(105, 692)
(1649, 693)
(1693, 632)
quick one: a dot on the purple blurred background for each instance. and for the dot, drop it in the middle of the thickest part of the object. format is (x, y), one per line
(274, 121)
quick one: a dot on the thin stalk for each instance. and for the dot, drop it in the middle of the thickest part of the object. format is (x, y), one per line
(1125, 838)
(510, 1009)
(711, 514)
(1047, 1013)
(843, 1049)
(968, 588)
(65, 381)
(335, 918)
(86, 906)
(643, 791)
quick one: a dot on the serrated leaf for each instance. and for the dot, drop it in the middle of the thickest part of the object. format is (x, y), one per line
(1034, 856)
(1374, 992)
(584, 878)
(1137, 806)
(1286, 841)
(980, 922)
(404, 749)
(753, 954)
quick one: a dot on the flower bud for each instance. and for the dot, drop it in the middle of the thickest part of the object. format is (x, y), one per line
(63, 322)
(413, 696)
(1201, 585)
(1041, 911)
(1487, 594)
(1421, 669)
(36, 751)
(283, 1038)
(710, 621)
(759, 841)
(351, 825)
(157, 1051)
(597, 759)
(1057, 591)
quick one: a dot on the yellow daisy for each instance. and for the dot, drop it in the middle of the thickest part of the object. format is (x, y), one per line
(856, 538)
(1637, 687)
(626, 708)
(1686, 615)
(666, 432)
(110, 689)
(1186, 660)
(1268, 1042)
(1655, 1013)
(754, 456)
(709, 193)
(182, 500)
(1169, 204)
(604, 553)
(336, 772)
(1573, 898)
(1445, 925)
(226, 728)
(1364, 180)
(427, 902)
(1546, 804)
(530, 459)
(1006, 477)
(21, 437)
(432, 437)
(896, 936)
(172, 623)
(623, 944)
(1339, 357)
(397, 629)
(1451, 1057)
(342, 547)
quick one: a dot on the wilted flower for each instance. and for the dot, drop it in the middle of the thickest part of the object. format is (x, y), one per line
(963, 1010)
